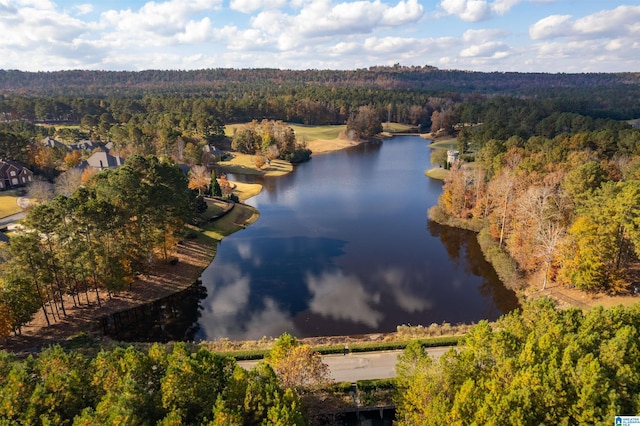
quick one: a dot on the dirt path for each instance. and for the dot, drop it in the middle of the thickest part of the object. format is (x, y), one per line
(193, 257)
(571, 297)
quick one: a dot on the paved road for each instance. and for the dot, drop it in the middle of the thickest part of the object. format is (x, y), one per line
(23, 203)
(361, 365)
(6, 221)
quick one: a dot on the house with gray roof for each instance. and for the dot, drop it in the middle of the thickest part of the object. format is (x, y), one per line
(84, 145)
(101, 160)
(52, 143)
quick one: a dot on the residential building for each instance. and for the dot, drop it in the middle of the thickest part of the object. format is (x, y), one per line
(13, 174)
(101, 160)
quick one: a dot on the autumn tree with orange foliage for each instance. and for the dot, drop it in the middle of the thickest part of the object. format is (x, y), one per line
(297, 366)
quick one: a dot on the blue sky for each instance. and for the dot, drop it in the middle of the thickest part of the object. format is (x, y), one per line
(481, 35)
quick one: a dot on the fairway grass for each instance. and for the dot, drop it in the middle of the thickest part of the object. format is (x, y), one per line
(9, 205)
(449, 143)
(244, 191)
(437, 173)
(398, 128)
(303, 133)
(238, 218)
(245, 164)
(312, 133)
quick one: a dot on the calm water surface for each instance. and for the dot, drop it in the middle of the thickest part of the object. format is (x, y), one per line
(343, 246)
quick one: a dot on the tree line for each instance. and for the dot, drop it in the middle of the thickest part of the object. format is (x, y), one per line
(385, 77)
(163, 385)
(101, 237)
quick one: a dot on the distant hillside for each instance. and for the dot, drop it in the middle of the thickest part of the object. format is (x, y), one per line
(426, 78)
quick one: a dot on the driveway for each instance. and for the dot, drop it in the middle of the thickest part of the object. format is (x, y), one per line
(9, 220)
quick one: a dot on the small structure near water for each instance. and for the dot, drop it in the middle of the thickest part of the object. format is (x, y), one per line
(452, 156)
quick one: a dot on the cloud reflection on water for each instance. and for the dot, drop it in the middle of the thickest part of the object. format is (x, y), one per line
(397, 282)
(228, 312)
(343, 297)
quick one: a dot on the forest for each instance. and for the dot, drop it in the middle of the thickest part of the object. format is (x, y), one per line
(558, 192)
(540, 365)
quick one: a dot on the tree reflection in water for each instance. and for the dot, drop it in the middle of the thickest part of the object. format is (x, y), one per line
(463, 249)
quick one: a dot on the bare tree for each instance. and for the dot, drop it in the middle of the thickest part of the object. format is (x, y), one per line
(39, 190)
(68, 182)
(549, 238)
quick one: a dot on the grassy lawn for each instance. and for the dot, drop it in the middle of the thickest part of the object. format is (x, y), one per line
(9, 204)
(303, 133)
(437, 173)
(450, 143)
(398, 127)
(238, 218)
(244, 163)
(311, 133)
(244, 191)
(214, 207)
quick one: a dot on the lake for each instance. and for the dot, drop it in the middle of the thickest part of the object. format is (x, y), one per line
(343, 246)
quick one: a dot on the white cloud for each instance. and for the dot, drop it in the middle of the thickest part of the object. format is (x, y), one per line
(403, 13)
(339, 34)
(165, 19)
(479, 10)
(491, 49)
(503, 6)
(483, 36)
(36, 27)
(551, 26)
(621, 21)
(467, 10)
(248, 6)
(83, 9)
(196, 31)
(323, 18)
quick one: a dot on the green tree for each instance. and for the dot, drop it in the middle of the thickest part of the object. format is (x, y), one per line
(214, 186)
(365, 123)
(193, 382)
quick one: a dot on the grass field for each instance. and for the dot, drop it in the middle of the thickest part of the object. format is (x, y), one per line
(214, 207)
(450, 143)
(398, 127)
(238, 218)
(311, 133)
(244, 191)
(303, 133)
(437, 173)
(244, 163)
(9, 204)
